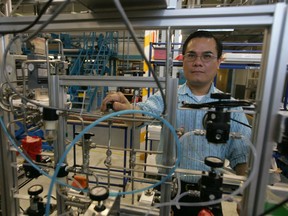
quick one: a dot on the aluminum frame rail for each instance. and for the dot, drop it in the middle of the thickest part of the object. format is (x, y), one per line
(269, 94)
(128, 82)
(244, 16)
(8, 174)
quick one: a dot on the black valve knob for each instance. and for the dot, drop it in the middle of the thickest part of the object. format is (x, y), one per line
(109, 105)
(220, 96)
(62, 171)
(87, 136)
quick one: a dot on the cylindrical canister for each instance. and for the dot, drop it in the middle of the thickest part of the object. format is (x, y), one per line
(32, 145)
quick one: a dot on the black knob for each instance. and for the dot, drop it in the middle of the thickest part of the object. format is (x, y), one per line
(50, 114)
(62, 171)
(35, 190)
(87, 136)
(220, 96)
(109, 105)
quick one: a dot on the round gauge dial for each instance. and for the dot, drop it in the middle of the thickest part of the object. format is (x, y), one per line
(31, 67)
(99, 193)
(214, 162)
(35, 190)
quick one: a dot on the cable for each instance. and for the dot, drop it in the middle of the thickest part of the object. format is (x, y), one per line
(140, 49)
(242, 123)
(22, 209)
(274, 207)
(32, 24)
(104, 118)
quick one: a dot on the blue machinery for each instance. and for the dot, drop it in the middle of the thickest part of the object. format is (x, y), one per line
(272, 18)
(96, 58)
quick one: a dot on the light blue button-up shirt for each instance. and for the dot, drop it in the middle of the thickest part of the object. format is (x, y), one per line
(195, 148)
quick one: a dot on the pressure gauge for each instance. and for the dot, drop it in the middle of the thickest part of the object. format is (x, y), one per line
(99, 193)
(214, 162)
(35, 190)
(31, 67)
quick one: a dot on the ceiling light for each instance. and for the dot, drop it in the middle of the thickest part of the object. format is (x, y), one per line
(217, 30)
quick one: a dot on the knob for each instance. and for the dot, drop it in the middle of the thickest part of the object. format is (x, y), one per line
(220, 96)
(109, 106)
(87, 136)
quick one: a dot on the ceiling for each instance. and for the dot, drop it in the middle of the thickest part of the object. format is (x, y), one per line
(30, 7)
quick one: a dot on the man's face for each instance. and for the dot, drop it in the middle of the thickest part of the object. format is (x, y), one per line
(200, 72)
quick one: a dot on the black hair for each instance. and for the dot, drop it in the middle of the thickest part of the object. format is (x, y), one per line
(204, 34)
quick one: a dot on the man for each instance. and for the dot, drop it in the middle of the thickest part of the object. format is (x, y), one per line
(201, 58)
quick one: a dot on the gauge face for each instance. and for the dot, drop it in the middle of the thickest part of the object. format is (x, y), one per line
(214, 159)
(99, 191)
(31, 67)
(214, 162)
(35, 189)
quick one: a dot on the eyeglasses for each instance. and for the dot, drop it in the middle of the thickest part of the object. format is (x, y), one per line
(206, 57)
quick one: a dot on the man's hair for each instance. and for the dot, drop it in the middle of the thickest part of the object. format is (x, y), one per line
(203, 34)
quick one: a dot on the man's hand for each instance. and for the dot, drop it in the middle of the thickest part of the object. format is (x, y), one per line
(118, 100)
(241, 169)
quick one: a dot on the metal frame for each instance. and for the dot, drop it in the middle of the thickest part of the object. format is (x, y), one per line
(269, 96)
(273, 68)
(8, 175)
(245, 16)
(61, 82)
(129, 82)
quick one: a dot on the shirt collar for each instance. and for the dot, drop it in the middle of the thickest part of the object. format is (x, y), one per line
(184, 89)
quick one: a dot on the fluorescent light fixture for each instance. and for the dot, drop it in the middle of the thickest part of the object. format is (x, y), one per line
(217, 30)
(242, 57)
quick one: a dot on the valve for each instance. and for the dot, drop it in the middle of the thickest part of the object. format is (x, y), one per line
(211, 184)
(217, 121)
(36, 207)
(87, 140)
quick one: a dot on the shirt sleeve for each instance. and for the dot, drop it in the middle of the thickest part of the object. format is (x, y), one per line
(153, 104)
(239, 148)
